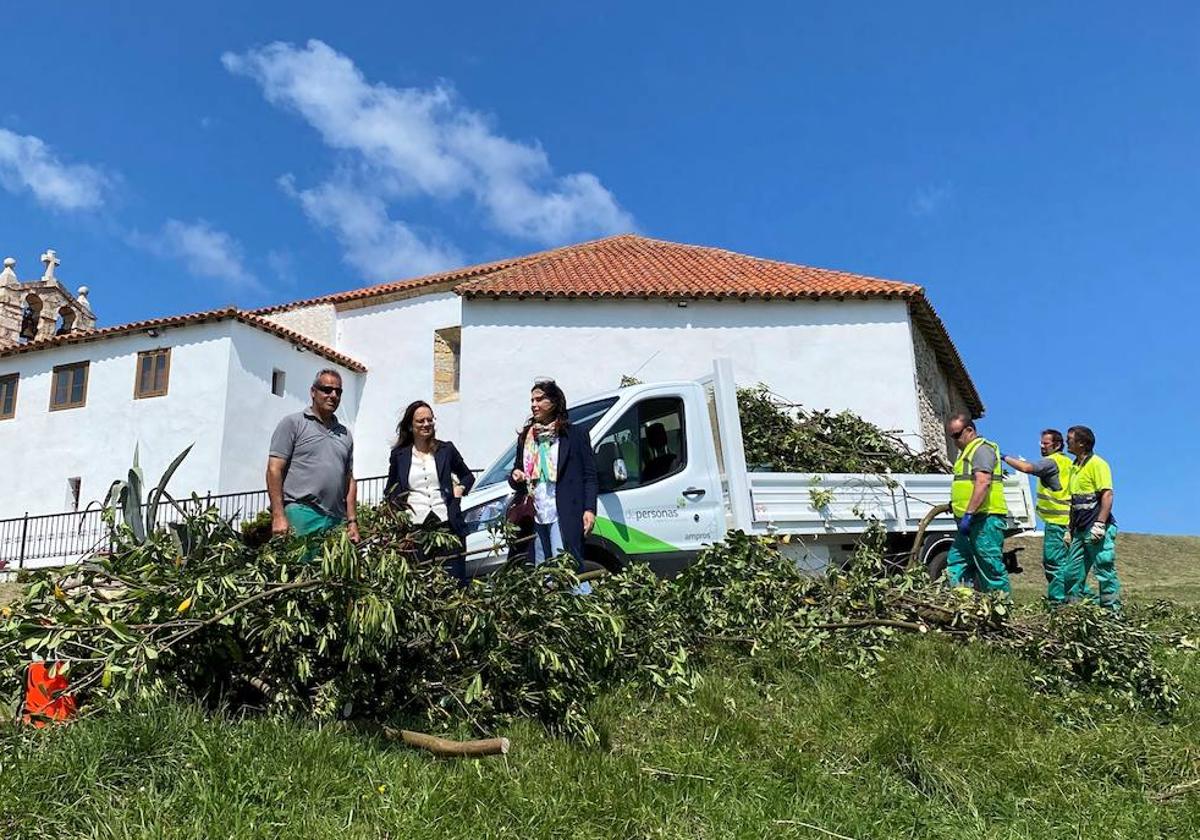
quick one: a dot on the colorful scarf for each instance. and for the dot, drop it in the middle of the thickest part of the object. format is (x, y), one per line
(541, 456)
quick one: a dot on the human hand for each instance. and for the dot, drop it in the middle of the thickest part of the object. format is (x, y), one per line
(1067, 538)
(279, 525)
(1098, 531)
(352, 532)
(518, 476)
(458, 491)
(964, 524)
(589, 521)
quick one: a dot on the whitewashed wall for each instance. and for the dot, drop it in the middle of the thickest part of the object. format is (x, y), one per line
(395, 342)
(251, 411)
(219, 398)
(40, 449)
(823, 354)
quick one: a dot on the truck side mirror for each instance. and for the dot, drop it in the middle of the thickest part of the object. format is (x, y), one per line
(620, 473)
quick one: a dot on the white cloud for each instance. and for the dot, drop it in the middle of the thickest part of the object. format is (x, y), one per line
(27, 163)
(204, 251)
(412, 142)
(931, 199)
(378, 246)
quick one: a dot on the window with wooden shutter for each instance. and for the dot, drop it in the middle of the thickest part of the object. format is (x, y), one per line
(69, 388)
(153, 373)
(8, 395)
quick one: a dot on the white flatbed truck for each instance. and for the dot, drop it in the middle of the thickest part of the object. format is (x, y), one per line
(673, 478)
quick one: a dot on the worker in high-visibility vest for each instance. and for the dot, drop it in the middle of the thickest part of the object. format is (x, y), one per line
(1093, 529)
(1053, 471)
(977, 499)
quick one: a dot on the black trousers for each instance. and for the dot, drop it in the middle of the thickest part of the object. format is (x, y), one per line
(450, 556)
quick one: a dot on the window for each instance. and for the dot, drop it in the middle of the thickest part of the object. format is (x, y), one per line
(648, 440)
(69, 389)
(277, 380)
(8, 395)
(447, 363)
(73, 485)
(153, 372)
(584, 416)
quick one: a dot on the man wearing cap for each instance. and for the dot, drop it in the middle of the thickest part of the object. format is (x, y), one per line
(310, 471)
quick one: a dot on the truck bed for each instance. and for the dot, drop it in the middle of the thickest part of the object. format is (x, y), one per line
(790, 503)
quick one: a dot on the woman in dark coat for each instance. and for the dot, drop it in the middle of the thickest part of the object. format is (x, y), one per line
(421, 479)
(556, 466)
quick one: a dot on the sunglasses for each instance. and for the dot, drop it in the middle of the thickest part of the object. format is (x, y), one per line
(328, 389)
(958, 434)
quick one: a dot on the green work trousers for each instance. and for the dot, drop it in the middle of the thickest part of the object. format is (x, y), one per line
(1054, 558)
(1088, 555)
(978, 556)
(311, 526)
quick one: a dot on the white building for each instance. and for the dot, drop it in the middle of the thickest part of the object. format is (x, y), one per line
(471, 342)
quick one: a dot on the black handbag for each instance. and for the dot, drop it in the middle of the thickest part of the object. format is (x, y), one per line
(520, 509)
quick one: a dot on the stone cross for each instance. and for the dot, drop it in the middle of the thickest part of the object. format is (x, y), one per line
(50, 259)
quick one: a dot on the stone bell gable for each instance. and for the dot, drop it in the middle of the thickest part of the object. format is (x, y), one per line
(41, 308)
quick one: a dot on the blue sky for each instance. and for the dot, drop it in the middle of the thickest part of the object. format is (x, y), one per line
(1034, 168)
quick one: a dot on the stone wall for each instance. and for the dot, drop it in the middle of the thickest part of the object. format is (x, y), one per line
(447, 363)
(937, 397)
(317, 322)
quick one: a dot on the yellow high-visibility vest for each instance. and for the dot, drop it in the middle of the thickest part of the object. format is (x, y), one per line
(1054, 506)
(964, 482)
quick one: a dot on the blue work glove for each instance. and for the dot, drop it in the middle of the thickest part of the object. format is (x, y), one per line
(964, 524)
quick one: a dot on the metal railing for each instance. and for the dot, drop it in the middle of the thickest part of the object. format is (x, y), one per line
(58, 538)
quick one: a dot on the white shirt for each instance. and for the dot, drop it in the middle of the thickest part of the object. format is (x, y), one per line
(544, 505)
(424, 494)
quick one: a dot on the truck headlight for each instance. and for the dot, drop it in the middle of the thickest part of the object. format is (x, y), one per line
(481, 517)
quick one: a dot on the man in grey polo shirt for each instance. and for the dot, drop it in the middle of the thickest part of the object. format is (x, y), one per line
(310, 471)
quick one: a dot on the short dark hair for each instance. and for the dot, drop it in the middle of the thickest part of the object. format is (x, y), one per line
(1055, 437)
(325, 372)
(965, 419)
(1084, 435)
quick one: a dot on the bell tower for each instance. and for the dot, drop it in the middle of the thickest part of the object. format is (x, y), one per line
(37, 309)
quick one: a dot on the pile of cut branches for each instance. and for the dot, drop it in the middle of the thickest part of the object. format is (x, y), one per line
(784, 437)
(371, 631)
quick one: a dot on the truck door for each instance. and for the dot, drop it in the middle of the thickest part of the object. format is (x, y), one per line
(656, 502)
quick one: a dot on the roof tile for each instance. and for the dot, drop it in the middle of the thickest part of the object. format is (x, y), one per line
(85, 336)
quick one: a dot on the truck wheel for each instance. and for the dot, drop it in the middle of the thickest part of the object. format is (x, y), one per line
(600, 557)
(935, 558)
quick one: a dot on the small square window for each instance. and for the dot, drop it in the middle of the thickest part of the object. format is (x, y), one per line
(277, 381)
(69, 388)
(153, 373)
(8, 395)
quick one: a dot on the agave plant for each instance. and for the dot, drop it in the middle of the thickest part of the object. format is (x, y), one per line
(124, 499)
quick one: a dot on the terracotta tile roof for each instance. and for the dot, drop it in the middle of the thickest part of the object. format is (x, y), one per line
(248, 318)
(417, 284)
(634, 266)
(630, 266)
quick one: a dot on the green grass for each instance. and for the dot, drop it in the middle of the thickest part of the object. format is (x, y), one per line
(1149, 566)
(946, 741)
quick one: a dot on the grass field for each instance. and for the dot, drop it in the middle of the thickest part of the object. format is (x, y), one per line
(1149, 567)
(946, 741)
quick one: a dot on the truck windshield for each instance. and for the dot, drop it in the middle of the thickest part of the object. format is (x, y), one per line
(585, 416)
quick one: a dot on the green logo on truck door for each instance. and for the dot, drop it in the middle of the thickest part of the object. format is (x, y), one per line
(631, 540)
